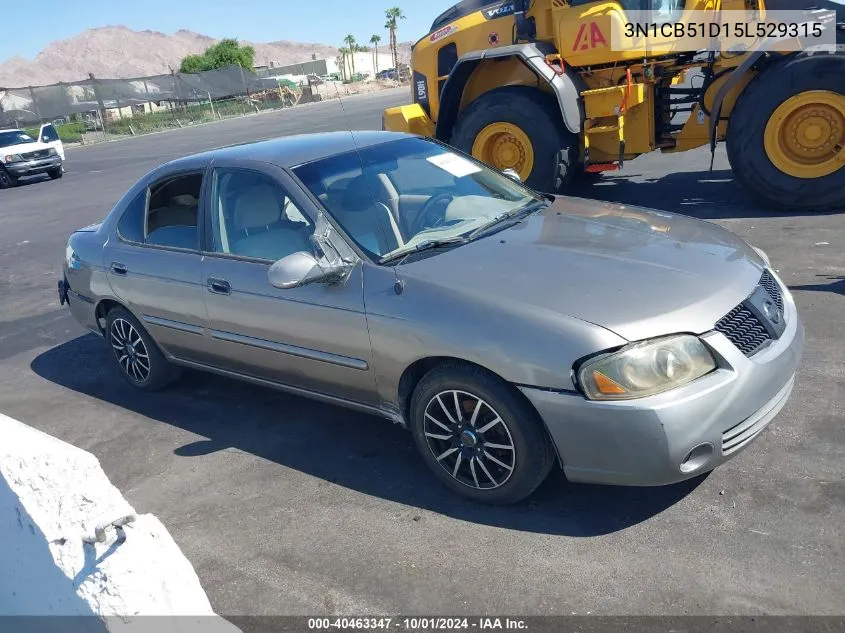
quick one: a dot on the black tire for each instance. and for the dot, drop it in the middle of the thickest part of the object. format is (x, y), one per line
(538, 115)
(161, 373)
(7, 180)
(532, 456)
(55, 173)
(745, 140)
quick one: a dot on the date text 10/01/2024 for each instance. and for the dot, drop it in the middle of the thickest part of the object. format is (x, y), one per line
(726, 29)
(417, 624)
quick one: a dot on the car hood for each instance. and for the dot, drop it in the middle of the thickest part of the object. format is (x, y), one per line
(23, 148)
(637, 272)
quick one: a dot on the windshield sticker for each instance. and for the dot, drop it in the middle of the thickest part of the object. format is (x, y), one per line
(454, 164)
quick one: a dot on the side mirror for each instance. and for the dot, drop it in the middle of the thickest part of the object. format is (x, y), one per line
(511, 173)
(298, 269)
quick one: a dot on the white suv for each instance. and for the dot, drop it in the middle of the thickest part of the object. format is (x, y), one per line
(22, 155)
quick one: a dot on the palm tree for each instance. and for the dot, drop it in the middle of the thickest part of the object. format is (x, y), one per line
(374, 40)
(393, 16)
(352, 45)
(342, 62)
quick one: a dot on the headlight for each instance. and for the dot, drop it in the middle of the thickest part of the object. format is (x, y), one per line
(13, 158)
(52, 151)
(646, 368)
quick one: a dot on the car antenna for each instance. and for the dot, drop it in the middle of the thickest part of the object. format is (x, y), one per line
(399, 284)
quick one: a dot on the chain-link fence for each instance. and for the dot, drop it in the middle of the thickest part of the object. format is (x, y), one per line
(97, 109)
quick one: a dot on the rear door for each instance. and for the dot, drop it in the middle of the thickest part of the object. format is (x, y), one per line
(50, 136)
(154, 265)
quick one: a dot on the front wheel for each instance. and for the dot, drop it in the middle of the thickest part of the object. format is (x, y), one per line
(786, 134)
(55, 173)
(7, 180)
(477, 436)
(519, 128)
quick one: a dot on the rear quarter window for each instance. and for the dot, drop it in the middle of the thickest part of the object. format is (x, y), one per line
(131, 224)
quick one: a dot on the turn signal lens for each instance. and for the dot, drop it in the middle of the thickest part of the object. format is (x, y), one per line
(605, 384)
(646, 368)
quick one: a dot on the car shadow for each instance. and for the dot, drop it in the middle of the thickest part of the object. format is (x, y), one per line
(358, 451)
(836, 285)
(707, 195)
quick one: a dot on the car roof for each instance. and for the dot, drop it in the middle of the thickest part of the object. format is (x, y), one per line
(294, 150)
(10, 129)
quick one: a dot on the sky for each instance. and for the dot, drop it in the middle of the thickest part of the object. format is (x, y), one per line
(24, 34)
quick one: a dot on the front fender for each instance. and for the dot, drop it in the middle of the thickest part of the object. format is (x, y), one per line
(523, 344)
(567, 87)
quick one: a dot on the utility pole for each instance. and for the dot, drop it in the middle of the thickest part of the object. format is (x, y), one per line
(101, 108)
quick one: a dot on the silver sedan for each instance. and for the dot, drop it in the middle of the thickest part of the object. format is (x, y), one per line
(510, 331)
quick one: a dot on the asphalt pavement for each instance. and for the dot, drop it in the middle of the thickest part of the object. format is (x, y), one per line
(287, 506)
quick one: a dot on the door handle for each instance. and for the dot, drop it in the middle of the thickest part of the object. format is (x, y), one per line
(117, 268)
(219, 286)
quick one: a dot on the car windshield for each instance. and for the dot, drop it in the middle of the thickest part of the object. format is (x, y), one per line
(407, 194)
(14, 137)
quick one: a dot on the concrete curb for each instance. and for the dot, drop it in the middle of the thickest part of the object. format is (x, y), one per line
(71, 545)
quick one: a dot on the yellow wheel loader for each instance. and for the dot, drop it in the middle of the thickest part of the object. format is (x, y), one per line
(556, 89)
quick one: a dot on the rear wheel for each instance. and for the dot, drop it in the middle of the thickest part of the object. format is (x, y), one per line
(519, 128)
(136, 354)
(477, 436)
(7, 180)
(786, 137)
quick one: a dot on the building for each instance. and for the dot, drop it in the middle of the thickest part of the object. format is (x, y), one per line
(365, 63)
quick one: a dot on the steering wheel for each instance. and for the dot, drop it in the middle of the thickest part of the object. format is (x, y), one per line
(428, 217)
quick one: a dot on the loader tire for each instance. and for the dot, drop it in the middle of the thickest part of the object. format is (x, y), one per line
(784, 150)
(521, 128)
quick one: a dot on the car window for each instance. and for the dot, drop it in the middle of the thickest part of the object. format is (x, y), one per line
(415, 174)
(253, 216)
(131, 224)
(391, 196)
(165, 214)
(49, 134)
(14, 137)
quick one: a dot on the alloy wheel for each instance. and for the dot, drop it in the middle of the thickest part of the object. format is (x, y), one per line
(130, 350)
(469, 439)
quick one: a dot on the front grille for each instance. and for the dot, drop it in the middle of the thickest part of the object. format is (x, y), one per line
(772, 287)
(744, 330)
(742, 326)
(41, 153)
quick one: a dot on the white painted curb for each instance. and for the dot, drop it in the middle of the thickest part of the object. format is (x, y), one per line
(60, 555)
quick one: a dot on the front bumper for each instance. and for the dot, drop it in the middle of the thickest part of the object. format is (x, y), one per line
(680, 434)
(32, 167)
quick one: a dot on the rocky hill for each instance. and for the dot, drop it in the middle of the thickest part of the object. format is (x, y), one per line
(117, 51)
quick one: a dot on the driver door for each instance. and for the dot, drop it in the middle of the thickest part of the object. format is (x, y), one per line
(50, 136)
(314, 337)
